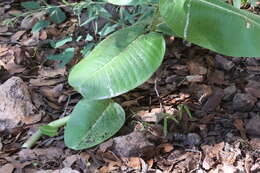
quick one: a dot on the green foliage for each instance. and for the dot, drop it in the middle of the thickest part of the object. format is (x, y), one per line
(130, 2)
(40, 25)
(118, 65)
(92, 122)
(233, 32)
(237, 3)
(59, 43)
(57, 15)
(31, 5)
(49, 130)
(64, 57)
(128, 57)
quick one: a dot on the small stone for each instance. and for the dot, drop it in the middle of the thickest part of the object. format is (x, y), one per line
(253, 88)
(195, 78)
(243, 102)
(193, 139)
(258, 105)
(253, 126)
(133, 144)
(229, 92)
(252, 61)
(15, 105)
(224, 63)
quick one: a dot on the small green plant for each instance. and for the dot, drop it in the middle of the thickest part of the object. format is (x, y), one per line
(129, 57)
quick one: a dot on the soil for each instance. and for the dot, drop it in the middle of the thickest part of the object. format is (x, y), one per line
(211, 103)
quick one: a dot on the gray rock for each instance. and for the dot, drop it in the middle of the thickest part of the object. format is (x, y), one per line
(15, 105)
(193, 139)
(243, 102)
(224, 63)
(253, 126)
(253, 88)
(229, 92)
(252, 61)
(133, 144)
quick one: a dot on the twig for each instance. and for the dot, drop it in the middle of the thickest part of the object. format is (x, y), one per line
(158, 96)
(37, 135)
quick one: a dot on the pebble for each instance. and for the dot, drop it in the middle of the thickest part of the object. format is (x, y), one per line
(224, 63)
(15, 105)
(243, 102)
(229, 92)
(133, 145)
(253, 126)
(193, 139)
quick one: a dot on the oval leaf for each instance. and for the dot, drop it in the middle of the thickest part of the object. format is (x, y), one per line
(120, 63)
(215, 25)
(92, 122)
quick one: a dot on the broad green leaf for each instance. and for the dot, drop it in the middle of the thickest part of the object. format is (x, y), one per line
(65, 57)
(40, 25)
(57, 15)
(215, 25)
(30, 5)
(92, 122)
(165, 29)
(49, 130)
(59, 43)
(131, 2)
(123, 61)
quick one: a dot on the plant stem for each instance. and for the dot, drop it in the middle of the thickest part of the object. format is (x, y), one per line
(156, 19)
(29, 143)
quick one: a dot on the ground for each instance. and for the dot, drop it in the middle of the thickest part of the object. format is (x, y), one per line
(220, 134)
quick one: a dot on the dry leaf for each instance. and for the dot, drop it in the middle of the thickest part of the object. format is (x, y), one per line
(134, 162)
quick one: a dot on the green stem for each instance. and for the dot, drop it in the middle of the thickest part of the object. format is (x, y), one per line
(156, 20)
(38, 134)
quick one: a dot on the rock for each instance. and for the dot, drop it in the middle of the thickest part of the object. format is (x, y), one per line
(252, 61)
(253, 126)
(229, 92)
(243, 102)
(15, 105)
(194, 78)
(193, 139)
(213, 101)
(133, 144)
(7, 168)
(258, 105)
(224, 63)
(253, 88)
